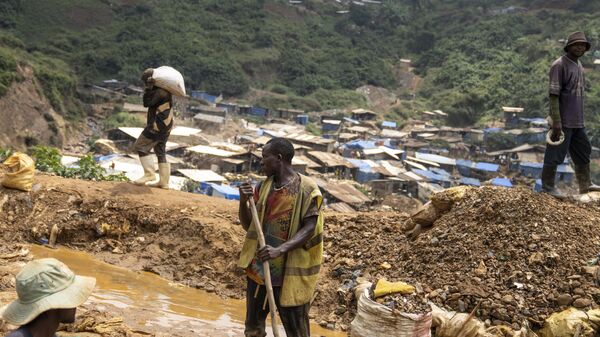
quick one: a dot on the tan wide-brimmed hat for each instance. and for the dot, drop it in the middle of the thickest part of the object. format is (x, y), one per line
(43, 285)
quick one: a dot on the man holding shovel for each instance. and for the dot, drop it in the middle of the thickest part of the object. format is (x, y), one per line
(567, 135)
(289, 212)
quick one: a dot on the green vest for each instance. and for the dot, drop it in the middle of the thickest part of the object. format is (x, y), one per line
(302, 265)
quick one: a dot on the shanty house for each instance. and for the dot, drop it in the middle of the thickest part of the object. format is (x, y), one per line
(211, 124)
(290, 114)
(363, 115)
(448, 164)
(343, 192)
(314, 142)
(330, 125)
(511, 116)
(332, 163)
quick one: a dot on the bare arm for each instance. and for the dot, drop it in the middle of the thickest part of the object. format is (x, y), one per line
(246, 192)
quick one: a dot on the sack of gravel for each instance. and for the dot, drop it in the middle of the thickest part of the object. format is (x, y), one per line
(377, 320)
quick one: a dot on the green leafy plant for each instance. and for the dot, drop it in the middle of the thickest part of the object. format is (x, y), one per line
(4, 153)
(48, 159)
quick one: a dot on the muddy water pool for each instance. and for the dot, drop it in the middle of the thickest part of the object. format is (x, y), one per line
(150, 303)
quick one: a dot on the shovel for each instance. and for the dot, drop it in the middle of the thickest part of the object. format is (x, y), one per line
(261, 243)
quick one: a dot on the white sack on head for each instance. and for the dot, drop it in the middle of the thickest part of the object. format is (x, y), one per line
(169, 79)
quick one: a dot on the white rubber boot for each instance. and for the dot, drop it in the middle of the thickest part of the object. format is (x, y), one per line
(164, 171)
(148, 166)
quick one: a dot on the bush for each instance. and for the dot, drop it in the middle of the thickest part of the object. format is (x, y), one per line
(499, 141)
(122, 119)
(47, 159)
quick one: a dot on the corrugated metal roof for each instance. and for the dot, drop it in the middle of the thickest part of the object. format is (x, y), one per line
(202, 175)
(415, 165)
(332, 121)
(303, 160)
(346, 193)
(389, 124)
(210, 118)
(410, 176)
(185, 131)
(435, 158)
(329, 159)
(209, 150)
(233, 161)
(387, 133)
(229, 147)
(304, 137)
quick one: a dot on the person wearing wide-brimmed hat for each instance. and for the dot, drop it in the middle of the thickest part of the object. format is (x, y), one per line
(48, 294)
(567, 135)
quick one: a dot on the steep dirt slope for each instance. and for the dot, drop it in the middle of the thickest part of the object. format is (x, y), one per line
(27, 116)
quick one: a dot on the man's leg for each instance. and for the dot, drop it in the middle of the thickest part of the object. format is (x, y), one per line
(142, 146)
(295, 320)
(164, 168)
(580, 151)
(554, 156)
(255, 314)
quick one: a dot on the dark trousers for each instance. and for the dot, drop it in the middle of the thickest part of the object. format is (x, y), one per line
(295, 319)
(576, 143)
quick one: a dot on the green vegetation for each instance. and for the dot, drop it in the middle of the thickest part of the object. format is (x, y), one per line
(314, 129)
(47, 159)
(473, 57)
(4, 153)
(8, 69)
(123, 119)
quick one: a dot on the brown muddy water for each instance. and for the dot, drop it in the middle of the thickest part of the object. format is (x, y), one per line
(150, 303)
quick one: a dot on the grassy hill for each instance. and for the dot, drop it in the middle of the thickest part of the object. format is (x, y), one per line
(473, 56)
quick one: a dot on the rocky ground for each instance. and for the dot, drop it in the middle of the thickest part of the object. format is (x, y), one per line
(518, 255)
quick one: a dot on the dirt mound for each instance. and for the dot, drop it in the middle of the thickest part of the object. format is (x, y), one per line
(191, 239)
(518, 254)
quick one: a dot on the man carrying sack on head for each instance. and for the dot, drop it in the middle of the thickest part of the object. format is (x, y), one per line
(289, 211)
(160, 84)
(567, 135)
(48, 295)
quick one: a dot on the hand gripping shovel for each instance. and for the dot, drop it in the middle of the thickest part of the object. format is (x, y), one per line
(261, 243)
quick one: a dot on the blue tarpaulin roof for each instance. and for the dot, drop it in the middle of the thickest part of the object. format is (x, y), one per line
(226, 192)
(491, 130)
(564, 169)
(502, 182)
(441, 172)
(388, 124)
(489, 167)
(470, 181)
(432, 176)
(361, 144)
(361, 164)
(532, 165)
(482, 166)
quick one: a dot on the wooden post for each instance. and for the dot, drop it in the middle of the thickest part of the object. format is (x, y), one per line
(261, 243)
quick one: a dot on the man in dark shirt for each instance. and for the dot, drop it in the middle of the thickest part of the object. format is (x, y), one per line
(48, 295)
(159, 123)
(567, 83)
